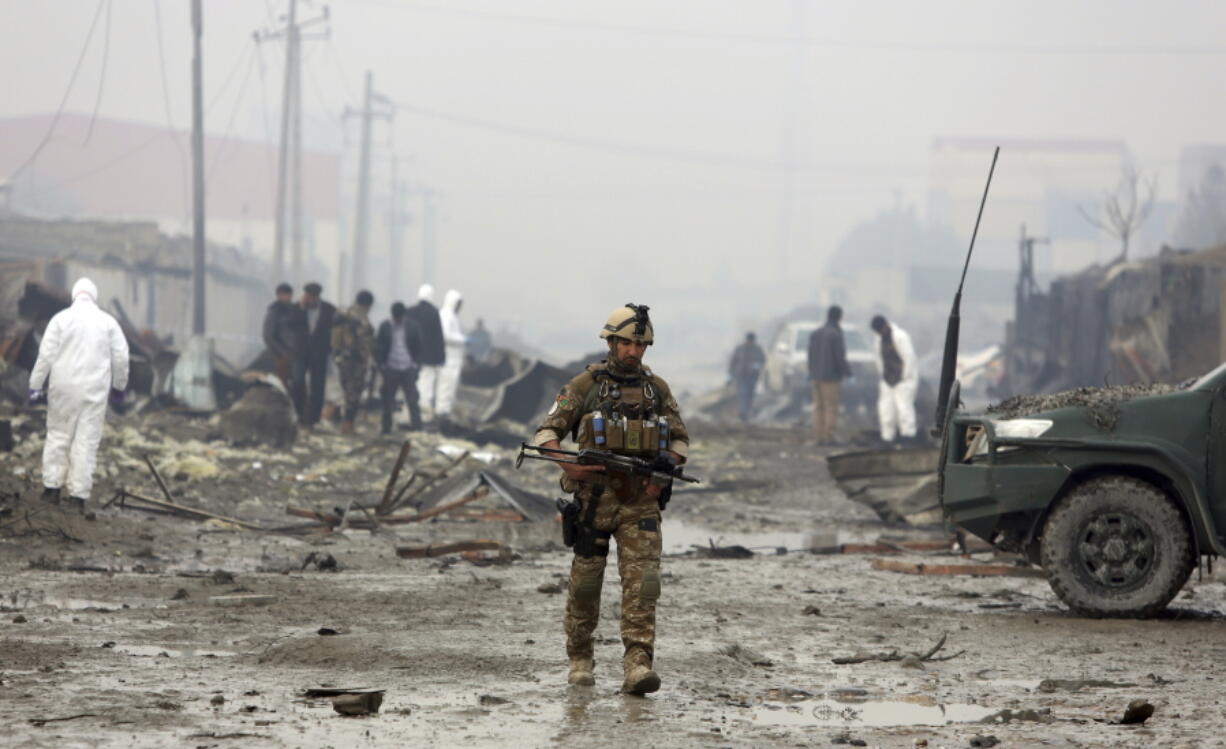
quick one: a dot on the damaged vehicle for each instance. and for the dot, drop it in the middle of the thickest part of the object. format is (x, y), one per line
(1115, 492)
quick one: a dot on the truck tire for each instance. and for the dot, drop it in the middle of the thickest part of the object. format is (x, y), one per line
(1117, 547)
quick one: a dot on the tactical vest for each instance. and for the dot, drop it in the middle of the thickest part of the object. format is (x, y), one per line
(623, 414)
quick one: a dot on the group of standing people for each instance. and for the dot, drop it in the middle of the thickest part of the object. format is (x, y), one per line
(896, 365)
(418, 352)
(828, 368)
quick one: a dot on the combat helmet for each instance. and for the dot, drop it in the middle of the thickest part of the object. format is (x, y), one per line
(630, 322)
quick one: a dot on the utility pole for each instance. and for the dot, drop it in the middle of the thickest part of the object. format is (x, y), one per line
(362, 215)
(289, 160)
(197, 171)
(786, 232)
(397, 219)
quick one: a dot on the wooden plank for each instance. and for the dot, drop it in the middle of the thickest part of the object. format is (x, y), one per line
(385, 502)
(192, 511)
(973, 570)
(423, 552)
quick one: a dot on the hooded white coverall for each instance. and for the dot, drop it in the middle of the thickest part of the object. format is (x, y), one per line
(453, 339)
(85, 353)
(896, 403)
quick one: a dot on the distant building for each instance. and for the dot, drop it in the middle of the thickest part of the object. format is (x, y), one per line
(115, 170)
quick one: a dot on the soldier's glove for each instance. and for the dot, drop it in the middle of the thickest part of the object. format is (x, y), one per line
(665, 462)
(117, 398)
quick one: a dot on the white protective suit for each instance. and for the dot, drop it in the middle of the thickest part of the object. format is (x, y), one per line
(453, 339)
(427, 378)
(85, 353)
(896, 404)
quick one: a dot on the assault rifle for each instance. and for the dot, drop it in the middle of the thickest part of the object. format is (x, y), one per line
(661, 470)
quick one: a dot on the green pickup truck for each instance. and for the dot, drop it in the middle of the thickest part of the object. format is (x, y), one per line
(1117, 498)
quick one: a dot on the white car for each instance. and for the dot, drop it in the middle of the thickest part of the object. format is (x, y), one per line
(787, 362)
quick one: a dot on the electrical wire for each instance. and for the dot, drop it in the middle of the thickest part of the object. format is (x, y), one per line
(629, 149)
(830, 43)
(106, 55)
(238, 100)
(63, 100)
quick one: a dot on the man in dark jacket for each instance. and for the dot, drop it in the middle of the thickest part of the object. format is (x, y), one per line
(284, 334)
(397, 348)
(313, 364)
(827, 370)
(744, 369)
(433, 348)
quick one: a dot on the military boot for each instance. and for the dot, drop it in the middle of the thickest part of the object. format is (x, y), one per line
(640, 679)
(346, 427)
(581, 672)
(76, 504)
(51, 496)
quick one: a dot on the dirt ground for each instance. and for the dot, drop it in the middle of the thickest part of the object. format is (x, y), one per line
(472, 655)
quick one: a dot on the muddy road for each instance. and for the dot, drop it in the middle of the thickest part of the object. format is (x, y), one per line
(471, 654)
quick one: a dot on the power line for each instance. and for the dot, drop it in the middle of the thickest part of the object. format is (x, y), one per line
(106, 55)
(830, 43)
(64, 100)
(629, 149)
(238, 100)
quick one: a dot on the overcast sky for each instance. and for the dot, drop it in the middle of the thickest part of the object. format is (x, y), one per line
(587, 150)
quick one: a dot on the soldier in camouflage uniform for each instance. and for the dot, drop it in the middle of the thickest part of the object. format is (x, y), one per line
(353, 343)
(622, 406)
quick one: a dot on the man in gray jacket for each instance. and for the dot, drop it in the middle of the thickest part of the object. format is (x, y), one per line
(827, 370)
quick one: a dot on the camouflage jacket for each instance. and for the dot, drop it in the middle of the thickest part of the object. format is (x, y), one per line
(353, 338)
(577, 397)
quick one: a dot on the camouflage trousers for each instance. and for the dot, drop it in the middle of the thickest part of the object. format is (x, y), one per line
(634, 520)
(353, 383)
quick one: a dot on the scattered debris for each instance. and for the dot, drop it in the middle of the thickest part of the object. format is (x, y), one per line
(423, 552)
(737, 652)
(489, 699)
(1137, 712)
(180, 594)
(323, 561)
(358, 704)
(550, 588)
(1076, 685)
(894, 655)
(982, 742)
(40, 722)
(19, 619)
(812, 611)
(712, 551)
(217, 700)
(974, 570)
(1102, 404)
(263, 416)
(327, 631)
(1042, 715)
(242, 599)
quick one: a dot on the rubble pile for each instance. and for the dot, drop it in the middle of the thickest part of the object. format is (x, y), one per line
(1101, 404)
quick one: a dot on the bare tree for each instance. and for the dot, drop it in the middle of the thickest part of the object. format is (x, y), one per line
(1127, 207)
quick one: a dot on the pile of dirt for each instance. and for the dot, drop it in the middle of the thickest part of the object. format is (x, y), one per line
(263, 416)
(1102, 404)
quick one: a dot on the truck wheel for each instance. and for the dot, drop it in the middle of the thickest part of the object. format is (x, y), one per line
(1118, 547)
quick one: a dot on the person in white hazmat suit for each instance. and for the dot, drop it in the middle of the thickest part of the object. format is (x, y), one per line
(85, 355)
(897, 365)
(433, 353)
(453, 339)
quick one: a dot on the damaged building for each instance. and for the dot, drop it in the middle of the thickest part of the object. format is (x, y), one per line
(1152, 320)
